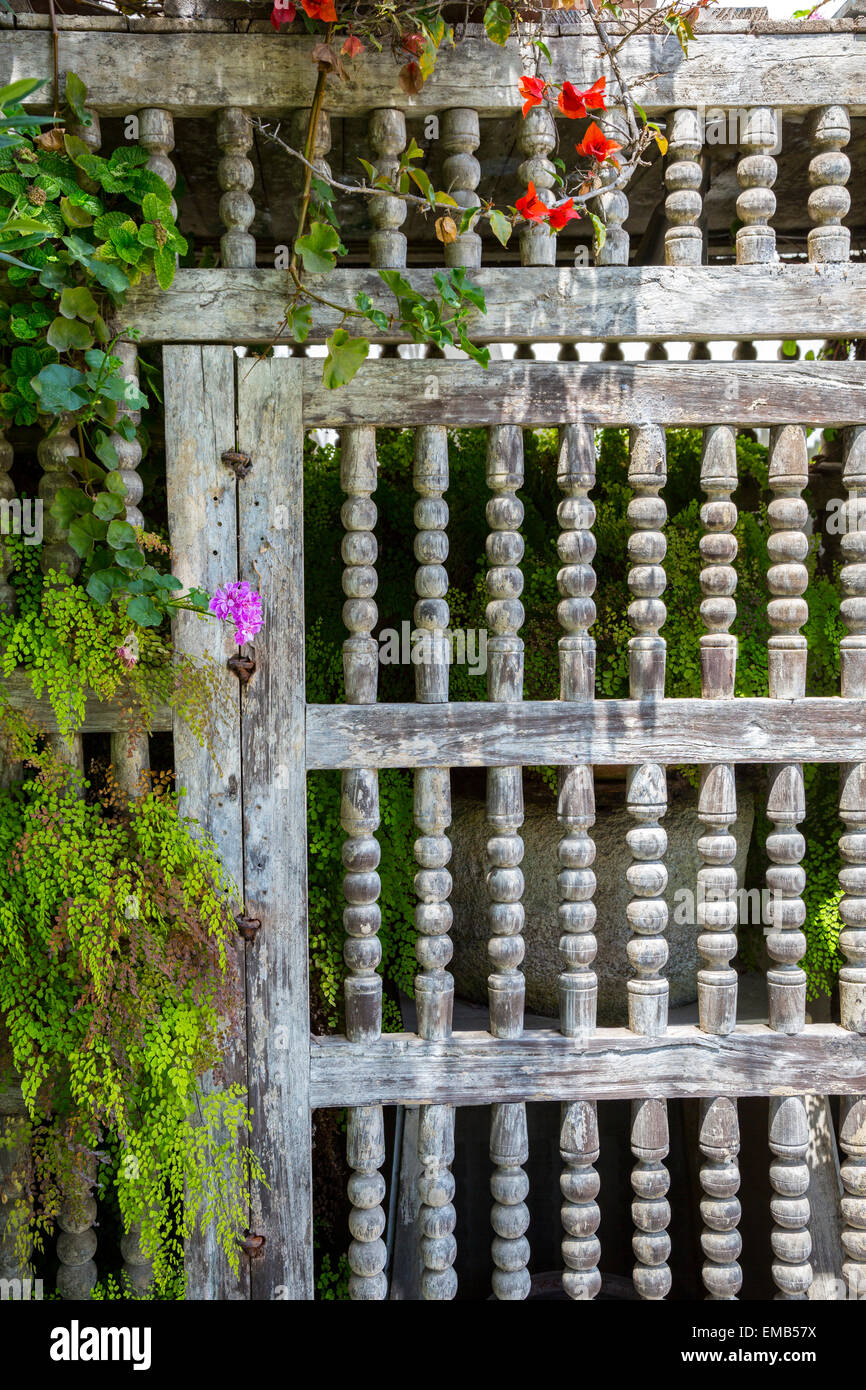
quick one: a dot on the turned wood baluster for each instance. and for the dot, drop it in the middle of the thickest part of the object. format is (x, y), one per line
(365, 1151)
(509, 1216)
(506, 984)
(756, 173)
(434, 986)
(387, 134)
(719, 1142)
(852, 845)
(236, 176)
(578, 985)
(718, 547)
(650, 1209)
(612, 207)
(76, 1243)
(789, 1205)
(647, 513)
(7, 492)
(579, 1185)
(461, 173)
(536, 140)
(321, 146)
(156, 134)
(437, 1217)
(55, 553)
(829, 170)
(684, 240)
(852, 1141)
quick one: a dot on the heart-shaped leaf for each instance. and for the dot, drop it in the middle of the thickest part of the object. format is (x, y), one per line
(345, 356)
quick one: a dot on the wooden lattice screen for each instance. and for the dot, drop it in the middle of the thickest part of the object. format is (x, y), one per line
(226, 527)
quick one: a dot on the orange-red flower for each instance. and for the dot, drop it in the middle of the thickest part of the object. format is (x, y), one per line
(531, 207)
(352, 47)
(575, 104)
(283, 14)
(533, 89)
(559, 216)
(595, 146)
(320, 9)
(413, 43)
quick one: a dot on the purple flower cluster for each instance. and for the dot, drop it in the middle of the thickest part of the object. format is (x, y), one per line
(241, 605)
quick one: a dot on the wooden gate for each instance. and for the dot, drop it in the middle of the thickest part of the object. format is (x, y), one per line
(252, 528)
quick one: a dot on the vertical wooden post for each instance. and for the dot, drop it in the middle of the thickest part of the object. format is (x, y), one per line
(461, 172)
(650, 1209)
(852, 1140)
(156, 133)
(203, 520)
(612, 207)
(684, 240)
(579, 1185)
(387, 213)
(536, 140)
(720, 1207)
(756, 172)
(271, 558)
(829, 171)
(436, 1216)
(509, 1215)
(236, 175)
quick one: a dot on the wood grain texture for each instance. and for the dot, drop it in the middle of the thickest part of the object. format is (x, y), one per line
(531, 304)
(202, 506)
(275, 858)
(475, 1069)
(399, 393)
(604, 731)
(124, 71)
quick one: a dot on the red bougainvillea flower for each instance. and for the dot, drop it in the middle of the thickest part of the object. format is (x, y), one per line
(575, 104)
(559, 216)
(352, 47)
(595, 146)
(320, 9)
(531, 207)
(533, 89)
(283, 14)
(413, 43)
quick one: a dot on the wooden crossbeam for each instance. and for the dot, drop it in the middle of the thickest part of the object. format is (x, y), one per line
(794, 70)
(477, 1069)
(408, 394)
(530, 303)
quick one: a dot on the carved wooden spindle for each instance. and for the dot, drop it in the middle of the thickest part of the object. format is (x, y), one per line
(789, 1205)
(786, 944)
(16, 1245)
(719, 1142)
(505, 683)
(579, 1185)
(536, 140)
(578, 983)
(647, 513)
(437, 1217)
(509, 1216)
(700, 352)
(852, 845)
(365, 1151)
(684, 240)
(650, 1209)
(656, 352)
(647, 911)
(434, 986)
(92, 136)
(129, 450)
(387, 134)
(156, 134)
(852, 1141)
(7, 492)
(460, 134)
(612, 206)
(76, 1243)
(360, 787)
(829, 171)
(54, 452)
(137, 1265)
(236, 176)
(788, 546)
(612, 352)
(717, 901)
(756, 173)
(718, 546)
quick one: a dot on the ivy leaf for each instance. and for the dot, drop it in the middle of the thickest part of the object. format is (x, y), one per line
(60, 388)
(78, 302)
(600, 231)
(76, 95)
(107, 455)
(500, 226)
(84, 533)
(99, 586)
(67, 335)
(68, 503)
(143, 611)
(130, 557)
(107, 506)
(497, 22)
(317, 247)
(299, 321)
(345, 357)
(120, 535)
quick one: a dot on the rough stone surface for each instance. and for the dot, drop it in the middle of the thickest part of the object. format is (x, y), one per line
(541, 834)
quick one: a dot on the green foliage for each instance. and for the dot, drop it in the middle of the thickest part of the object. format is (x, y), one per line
(116, 977)
(333, 1284)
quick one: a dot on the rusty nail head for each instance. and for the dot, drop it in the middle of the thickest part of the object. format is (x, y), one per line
(248, 927)
(239, 463)
(243, 667)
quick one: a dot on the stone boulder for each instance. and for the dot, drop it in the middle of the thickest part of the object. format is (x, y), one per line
(541, 833)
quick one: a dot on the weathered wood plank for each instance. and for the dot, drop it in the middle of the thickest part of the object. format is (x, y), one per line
(125, 71)
(199, 425)
(475, 1069)
(597, 393)
(824, 730)
(100, 716)
(531, 303)
(271, 528)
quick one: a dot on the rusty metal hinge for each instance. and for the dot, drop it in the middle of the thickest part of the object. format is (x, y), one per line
(243, 667)
(253, 1245)
(248, 927)
(239, 463)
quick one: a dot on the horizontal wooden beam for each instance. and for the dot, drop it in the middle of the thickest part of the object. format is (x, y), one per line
(550, 733)
(529, 304)
(100, 716)
(460, 395)
(198, 73)
(477, 1069)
